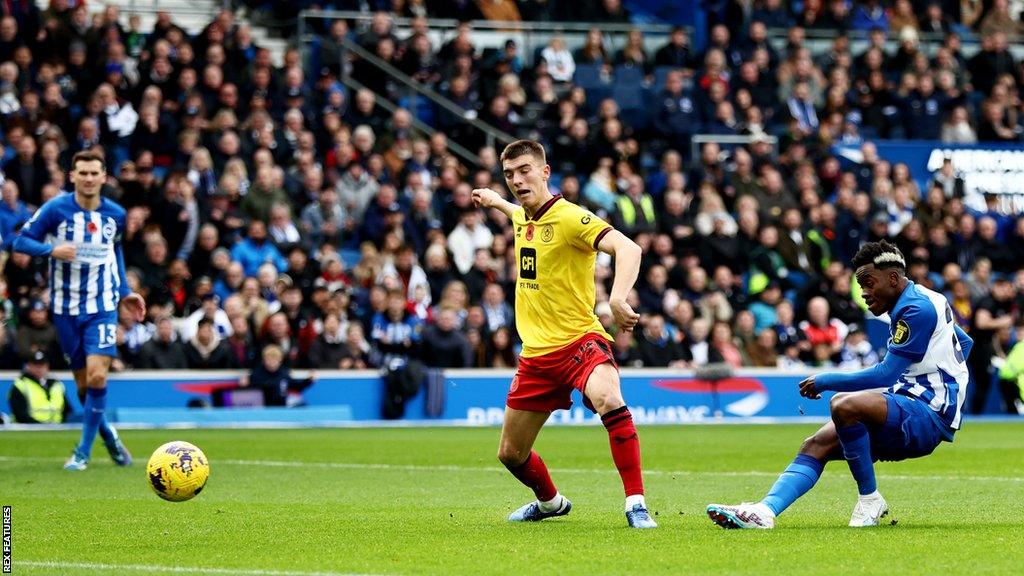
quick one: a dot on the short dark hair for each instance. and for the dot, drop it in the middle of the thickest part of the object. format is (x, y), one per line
(881, 254)
(523, 148)
(204, 321)
(89, 156)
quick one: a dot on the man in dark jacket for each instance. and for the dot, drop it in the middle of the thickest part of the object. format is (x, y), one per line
(163, 352)
(206, 351)
(443, 345)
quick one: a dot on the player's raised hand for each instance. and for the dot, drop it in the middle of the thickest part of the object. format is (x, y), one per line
(807, 389)
(65, 252)
(485, 197)
(135, 305)
(625, 317)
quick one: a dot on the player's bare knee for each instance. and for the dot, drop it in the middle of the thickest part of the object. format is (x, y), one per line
(96, 379)
(510, 455)
(818, 445)
(843, 408)
(606, 401)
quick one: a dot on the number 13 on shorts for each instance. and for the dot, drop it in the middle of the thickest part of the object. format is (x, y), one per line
(108, 335)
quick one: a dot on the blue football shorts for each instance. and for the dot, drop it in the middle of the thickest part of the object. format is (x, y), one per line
(85, 335)
(911, 430)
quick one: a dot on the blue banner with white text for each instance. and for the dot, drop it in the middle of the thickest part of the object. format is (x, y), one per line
(996, 169)
(466, 396)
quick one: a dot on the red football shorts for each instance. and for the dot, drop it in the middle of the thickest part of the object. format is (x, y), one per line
(545, 383)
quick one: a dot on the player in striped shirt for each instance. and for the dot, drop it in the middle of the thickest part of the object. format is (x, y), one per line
(81, 233)
(927, 372)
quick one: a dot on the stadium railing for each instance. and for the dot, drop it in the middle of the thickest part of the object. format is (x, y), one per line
(493, 135)
(699, 140)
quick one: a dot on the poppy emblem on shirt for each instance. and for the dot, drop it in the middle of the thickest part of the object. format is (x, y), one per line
(529, 232)
(91, 227)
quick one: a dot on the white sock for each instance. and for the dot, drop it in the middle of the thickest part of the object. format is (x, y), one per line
(634, 500)
(871, 496)
(551, 505)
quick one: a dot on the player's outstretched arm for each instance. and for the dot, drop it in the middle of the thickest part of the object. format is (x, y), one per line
(487, 198)
(880, 375)
(627, 267)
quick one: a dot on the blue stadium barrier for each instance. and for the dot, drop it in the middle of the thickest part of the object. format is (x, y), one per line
(473, 397)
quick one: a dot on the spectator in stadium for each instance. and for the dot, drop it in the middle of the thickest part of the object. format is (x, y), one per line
(499, 350)
(324, 220)
(206, 351)
(762, 352)
(359, 353)
(635, 211)
(656, 346)
(329, 348)
(34, 397)
(13, 212)
(995, 312)
(444, 346)
(822, 330)
(723, 348)
(255, 249)
(36, 332)
(164, 351)
(273, 377)
(467, 237)
(561, 65)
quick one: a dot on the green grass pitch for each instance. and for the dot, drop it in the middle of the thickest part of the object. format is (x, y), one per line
(434, 501)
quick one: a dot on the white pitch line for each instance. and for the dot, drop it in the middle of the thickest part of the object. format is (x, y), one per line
(117, 568)
(499, 470)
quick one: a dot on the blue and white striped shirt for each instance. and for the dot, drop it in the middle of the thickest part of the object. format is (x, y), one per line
(95, 281)
(923, 332)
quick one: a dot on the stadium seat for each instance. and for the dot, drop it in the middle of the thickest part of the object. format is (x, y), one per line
(422, 109)
(629, 76)
(588, 76)
(660, 76)
(594, 97)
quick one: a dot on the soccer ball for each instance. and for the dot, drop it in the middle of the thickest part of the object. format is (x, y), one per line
(177, 471)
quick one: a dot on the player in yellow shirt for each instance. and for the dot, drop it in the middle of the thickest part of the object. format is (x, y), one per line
(564, 345)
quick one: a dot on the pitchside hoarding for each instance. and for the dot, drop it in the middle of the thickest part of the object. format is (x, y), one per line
(474, 397)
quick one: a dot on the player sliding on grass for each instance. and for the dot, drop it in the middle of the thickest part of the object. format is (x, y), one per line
(87, 284)
(564, 345)
(926, 360)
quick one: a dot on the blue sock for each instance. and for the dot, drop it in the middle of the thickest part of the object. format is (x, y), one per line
(95, 404)
(106, 430)
(857, 449)
(794, 482)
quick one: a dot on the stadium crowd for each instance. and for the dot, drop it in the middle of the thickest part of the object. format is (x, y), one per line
(270, 205)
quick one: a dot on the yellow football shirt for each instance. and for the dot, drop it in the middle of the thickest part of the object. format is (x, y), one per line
(556, 252)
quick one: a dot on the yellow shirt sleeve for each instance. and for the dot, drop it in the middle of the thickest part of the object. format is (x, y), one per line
(585, 230)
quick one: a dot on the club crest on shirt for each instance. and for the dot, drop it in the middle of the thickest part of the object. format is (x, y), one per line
(547, 233)
(902, 332)
(109, 229)
(529, 232)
